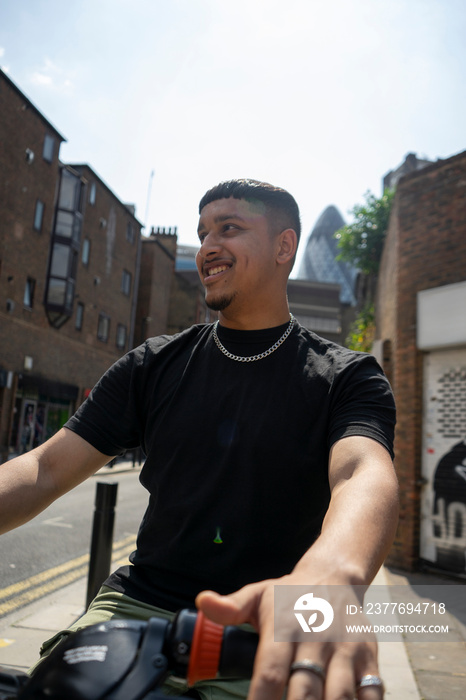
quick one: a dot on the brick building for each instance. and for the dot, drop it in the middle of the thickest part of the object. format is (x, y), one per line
(421, 341)
(187, 299)
(158, 256)
(108, 273)
(409, 165)
(171, 296)
(69, 260)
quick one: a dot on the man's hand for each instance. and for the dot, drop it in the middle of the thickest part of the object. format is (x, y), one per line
(344, 663)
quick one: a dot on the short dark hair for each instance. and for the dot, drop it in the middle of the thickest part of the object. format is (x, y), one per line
(281, 205)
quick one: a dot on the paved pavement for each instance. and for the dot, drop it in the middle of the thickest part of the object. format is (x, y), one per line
(439, 668)
(411, 670)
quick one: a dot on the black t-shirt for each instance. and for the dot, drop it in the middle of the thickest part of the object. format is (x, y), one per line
(237, 453)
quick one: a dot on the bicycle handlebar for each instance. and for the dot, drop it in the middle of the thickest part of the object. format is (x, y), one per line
(130, 659)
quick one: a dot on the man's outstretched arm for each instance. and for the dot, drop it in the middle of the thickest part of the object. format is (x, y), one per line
(357, 533)
(31, 482)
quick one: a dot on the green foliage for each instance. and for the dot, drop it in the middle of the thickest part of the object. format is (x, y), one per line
(361, 243)
(362, 331)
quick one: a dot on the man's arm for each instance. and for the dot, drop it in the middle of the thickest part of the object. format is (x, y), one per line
(357, 532)
(361, 520)
(31, 482)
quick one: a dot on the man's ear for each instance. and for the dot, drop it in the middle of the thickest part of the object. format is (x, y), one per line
(287, 246)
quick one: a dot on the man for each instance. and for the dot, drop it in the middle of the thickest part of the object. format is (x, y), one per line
(268, 457)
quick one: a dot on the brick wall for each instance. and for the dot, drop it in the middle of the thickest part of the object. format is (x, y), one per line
(425, 248)
(23, 250)
(65, 355)
(114, 236)
(157, 268)
(187, 302)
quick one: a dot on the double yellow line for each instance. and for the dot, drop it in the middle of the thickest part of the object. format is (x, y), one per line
(24, 592)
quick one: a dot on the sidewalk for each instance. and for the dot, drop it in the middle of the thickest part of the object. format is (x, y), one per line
(439, 668)
(411, 671)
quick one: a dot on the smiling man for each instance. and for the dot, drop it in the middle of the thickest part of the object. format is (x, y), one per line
(247, 252)
(268, 459)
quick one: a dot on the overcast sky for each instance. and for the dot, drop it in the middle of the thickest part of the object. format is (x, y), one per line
(322, 97)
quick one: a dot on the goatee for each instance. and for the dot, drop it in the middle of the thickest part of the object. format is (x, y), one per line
(220, 303)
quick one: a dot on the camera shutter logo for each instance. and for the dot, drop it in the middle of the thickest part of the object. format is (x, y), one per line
(311, 604)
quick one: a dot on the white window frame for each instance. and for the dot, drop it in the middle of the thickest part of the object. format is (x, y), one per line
(39, 210)
(29, 289)
(49, 148)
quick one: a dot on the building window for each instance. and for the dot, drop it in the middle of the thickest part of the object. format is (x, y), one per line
(126, 282)
(130, 232)
(28, 299)
(70, 197)
(39, 215)
(64, 224)
(92, 193)
(65, 247)
(60, 263)
(121, 336)
(103, 329)
(49, 147)
(86, 251)
(319, 323)
(60, 293)
(78, 324)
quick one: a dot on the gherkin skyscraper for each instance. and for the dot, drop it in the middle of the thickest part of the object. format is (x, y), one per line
(319, 260)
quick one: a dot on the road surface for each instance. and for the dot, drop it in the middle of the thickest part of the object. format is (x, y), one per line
(53, 549)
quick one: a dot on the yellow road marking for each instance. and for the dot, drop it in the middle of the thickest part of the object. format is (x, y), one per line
(6, 642)
(51, 580)
(37, 579)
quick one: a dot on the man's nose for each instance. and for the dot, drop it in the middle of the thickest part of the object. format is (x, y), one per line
(209, 246)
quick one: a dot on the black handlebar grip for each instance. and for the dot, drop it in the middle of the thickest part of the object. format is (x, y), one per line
(218, 651)
(237, 654)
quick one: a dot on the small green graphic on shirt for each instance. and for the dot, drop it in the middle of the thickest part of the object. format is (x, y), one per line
(218, 539)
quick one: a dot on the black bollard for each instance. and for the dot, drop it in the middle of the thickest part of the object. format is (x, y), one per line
(102, 537)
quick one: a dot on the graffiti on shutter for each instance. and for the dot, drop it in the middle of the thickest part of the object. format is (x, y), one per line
(443, 509)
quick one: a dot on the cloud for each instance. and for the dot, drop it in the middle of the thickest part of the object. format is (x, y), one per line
(51, 76)
(2, 51)
(41, 79)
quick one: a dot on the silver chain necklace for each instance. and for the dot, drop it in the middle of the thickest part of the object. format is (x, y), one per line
(253, 358)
